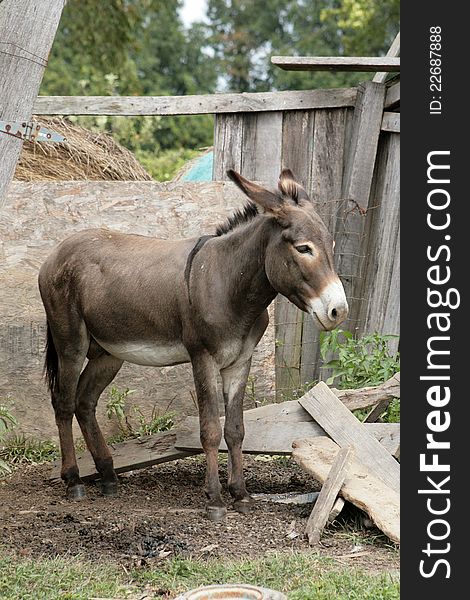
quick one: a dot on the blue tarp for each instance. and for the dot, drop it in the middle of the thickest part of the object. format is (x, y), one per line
(201, 170)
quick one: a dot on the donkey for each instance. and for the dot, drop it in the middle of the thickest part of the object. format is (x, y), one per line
(113, 297)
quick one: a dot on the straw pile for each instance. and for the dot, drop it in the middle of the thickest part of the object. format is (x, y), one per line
(85, 155)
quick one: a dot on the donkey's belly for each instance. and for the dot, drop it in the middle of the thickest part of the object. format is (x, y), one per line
(148, 353)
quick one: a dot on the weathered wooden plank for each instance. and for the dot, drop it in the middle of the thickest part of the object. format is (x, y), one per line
(328, 494)
(392, 97)
(194, 105)
(343, 427)
(27, 30)
(337, 63)
(261, 146)
(353, 399)
(380, 286)
(132, 455)
(391, 122)
(360, 487)
(297, 144)
(378, 410)
(369, 396)
(288, 347)
(228, 140)
(266, 436)
(357, 184)
(336, 510)
(368, 118)
(394, 50)
(325, 188)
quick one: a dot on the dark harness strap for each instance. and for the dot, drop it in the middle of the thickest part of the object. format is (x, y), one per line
(187, 270)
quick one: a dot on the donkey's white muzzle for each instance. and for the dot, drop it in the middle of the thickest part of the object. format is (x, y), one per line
(331, 308)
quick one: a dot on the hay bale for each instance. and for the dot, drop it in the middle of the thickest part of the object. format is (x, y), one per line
(85, 155)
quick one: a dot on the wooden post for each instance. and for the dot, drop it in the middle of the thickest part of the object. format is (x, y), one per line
(393, 51)
(27, 30)
(357, 184)
(328, 495)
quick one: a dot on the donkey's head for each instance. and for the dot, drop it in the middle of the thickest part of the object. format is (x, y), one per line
(299, 253)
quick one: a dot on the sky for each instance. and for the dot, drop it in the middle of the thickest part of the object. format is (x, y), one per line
(193, 10)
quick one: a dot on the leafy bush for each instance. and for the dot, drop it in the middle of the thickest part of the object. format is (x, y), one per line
(116, 408)
(357, 362)
(7, 421)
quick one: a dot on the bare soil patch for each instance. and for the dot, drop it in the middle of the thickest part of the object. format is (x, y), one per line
(159, 514)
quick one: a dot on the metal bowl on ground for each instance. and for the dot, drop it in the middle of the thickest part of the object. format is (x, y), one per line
(232, 592)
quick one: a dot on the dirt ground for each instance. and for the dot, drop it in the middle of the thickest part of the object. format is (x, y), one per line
(159, 514)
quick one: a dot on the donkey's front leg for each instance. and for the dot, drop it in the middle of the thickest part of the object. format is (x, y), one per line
(205, 379)
(234, 380)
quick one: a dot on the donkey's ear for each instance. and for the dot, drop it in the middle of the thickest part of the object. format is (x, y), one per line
(289, 186)
(270, 202)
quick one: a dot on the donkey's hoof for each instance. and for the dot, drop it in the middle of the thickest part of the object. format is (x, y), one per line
(76, 492)
(244, 505)
(216, 513)
(109, 488)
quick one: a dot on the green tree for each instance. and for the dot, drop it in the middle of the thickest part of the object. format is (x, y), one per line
(245, 34)
(134, 47)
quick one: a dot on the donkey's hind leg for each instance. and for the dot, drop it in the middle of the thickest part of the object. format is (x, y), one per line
(98, 374)
(70, 358)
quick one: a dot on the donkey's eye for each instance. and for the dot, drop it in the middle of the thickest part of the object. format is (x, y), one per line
(304, 249)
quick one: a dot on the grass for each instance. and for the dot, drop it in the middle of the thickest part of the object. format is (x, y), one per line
(299, 576)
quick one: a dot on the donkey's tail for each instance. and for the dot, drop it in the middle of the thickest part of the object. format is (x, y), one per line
(51, 363)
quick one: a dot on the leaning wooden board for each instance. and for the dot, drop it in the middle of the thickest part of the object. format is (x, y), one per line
(346, 430)
(360, 487)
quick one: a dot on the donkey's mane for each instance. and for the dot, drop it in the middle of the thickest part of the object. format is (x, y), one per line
(240, 217)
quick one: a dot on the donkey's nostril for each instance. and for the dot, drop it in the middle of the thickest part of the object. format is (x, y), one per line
(334, 313)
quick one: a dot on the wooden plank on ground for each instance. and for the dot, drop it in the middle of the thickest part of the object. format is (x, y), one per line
(27, 30)
(360, 487)
(194, 105)
(264, 436)
(328, 494)
(133, 454)
(377, 411)
(343, 427)
(337, 63)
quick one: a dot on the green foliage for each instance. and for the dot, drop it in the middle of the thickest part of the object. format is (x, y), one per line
(7, 421)
(358, 362)
(140, 47)
(21, 450)
(246, 34)
(365, 24)
(116, 408)
(134, 47)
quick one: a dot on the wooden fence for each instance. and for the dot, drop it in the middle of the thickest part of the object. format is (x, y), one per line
(345, 150)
